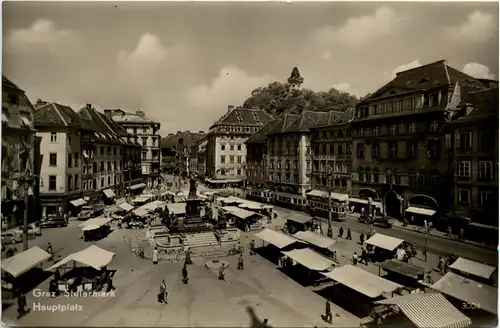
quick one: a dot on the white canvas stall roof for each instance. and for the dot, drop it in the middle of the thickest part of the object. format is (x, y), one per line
(177, 208)
(78, 202)
(126, 207)
(233, 199)
(208, 193)
(168, 192)
(474, 268)
(137, 186)
(141, 211)
(251, 205)
(365, 201)
(310, 259)
(362, 281)
(324, 194)
(385, 242)
(276, 238)
(92, 256)
(23, 262)
(96, 221)
(469, 291)
(429, 310)
(148, 196)
(109, 193)
(153, 205)
(298, 217)
(239, 212)
(420, 210)
(315, 239)
(140, 200)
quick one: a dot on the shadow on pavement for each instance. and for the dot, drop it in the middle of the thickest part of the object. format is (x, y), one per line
(25, 283)
(270, 253)
(256, 322)
(348, 299)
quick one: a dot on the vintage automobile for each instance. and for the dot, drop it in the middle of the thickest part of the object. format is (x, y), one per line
(53, 222)
(90, 211)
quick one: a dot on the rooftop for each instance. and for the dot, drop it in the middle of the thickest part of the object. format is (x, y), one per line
(6, 83)
(188, 139)
(260, 136)
(484, 106)
(121, 116)
(307, 120)
(50, 114)
(243, 117)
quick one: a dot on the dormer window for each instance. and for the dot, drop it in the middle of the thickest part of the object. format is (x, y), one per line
(424, 80)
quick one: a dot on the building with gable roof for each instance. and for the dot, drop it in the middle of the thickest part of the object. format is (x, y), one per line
(60, 129)
(147, 131)
(179, 152)
(18, 156)
(398, 138)
(226, 149)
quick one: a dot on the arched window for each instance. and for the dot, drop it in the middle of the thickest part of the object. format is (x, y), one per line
(360, 151)
(368, 174)
(361, 173)
(397, 177)
(375, 175)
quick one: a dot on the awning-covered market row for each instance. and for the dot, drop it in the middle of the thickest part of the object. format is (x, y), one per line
(298, 217)
(315, 239)
(149, 207)
(239, 212)
(126, 207)
(429, 310)
(24, 261)
(403, 268)
(362, 281)
(276, 238)
(474, 268)
(310, 259)
(92, 256)
(95, 223)
(385, 242)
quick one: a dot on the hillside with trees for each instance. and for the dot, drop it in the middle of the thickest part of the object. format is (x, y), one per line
(278, 98)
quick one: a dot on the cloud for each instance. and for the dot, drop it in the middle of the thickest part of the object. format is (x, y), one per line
(149, 52)
(478, 71)
(326, 55)
(42, 33)
(357, 31)
(405, 67)
(343, 86)
(231, 87)
(478, 28)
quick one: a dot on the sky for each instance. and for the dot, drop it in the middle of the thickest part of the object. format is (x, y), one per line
(184, 63)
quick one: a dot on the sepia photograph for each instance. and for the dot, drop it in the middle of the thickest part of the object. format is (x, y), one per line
(250, 164)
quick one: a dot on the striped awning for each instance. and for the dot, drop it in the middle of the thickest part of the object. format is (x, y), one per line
(429, 311)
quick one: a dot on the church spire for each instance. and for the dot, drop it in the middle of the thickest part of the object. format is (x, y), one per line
(295, 80)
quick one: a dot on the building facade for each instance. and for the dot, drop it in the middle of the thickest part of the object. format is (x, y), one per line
(18, 156)
(398, 154)
(257, 173)
(226, 149)
(147, 131)
(178, 155)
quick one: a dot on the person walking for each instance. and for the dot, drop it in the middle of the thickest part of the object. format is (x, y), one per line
(162, 296)
(348, 237)
(364, 257)
(252, 247)
(109, 282)
(361, 239)
(341, 231)
(50, 250)
(188, 257)
(328, 312)
(21, 305)
(426, 225)
(185, 278)
(155, 255)
(240, 262)
(355, 259)
(222, 275)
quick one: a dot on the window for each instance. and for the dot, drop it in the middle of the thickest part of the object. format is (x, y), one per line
(412, 178)
(360, 151)
(433, 149)
(231, 147)
(361, 132)
(412, 127)
(102, 167)
(238, 159)
(464, 196)
(412, 149)
(95, 168)
(231, 159)
(222, 172)
(486, 170)
(465, 140)
(393, 150)
(109, 181)
(144, 155)
(53, 137)
(393, 129)
(486, 140)
(464, 169)
(144, 141)
(114, 151)
(84, 169)
(84, 185)
(76, 182)
(144, 130)
(70, 182)
(223, 159)
(52, 182)
(222, 147)
(114, 165)
(53, 159)
(279, 164)
(340, 149)
(361, 174)
(102, 151)
(102, 182)
(70, 160)
(485, 197)
(239, 147)
(349, 149)
(376, 150)
(376, 131)
(92, 184)
(239, 171)
(77, 157)
(434, 126)
(109, 166)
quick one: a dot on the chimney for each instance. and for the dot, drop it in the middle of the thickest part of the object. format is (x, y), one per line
(88, 106)
(140, 113)
(201, 132)
(40, 103)
(230, 108)
(108, 112)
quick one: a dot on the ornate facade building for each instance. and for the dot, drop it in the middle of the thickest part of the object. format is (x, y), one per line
(18, 155)
(226, 149)
(398, 154)
(147, 131)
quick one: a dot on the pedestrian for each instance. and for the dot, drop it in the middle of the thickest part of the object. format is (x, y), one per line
(185, 277)
(364, 257)
(109, 282)
(162, 296)
(155, 255)
(328, 311)
(341, 231)
(221, 272)
(57, 275)
(252, 247)
(53, 288)
(240, 262)
(441, 264)
(50, 250)
(361, 239)
(462, 234)
(264, 323)
(355, 259)
(449, 231)
(188, 257)
(348, 237)
(21, 304)
(426, 225)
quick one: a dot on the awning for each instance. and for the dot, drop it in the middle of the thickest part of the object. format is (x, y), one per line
(137, 186)
(276, 238)
(141, 211)
(315, 239)
(177, 208)
(385, 242)
(469, 291)
(78, 202)
(251, 205)
(168, 192)
(92, 256)
(126, 207)
(232, 199)
(298, 217)
(310, 259)
(109, 193)
(429, 310)
(403, 268)
(239, 212)
(362, 281)
(484, 226)
(26, 120)
(24, 261)
(420, 210)
(140, 200)
(474, 268)
(324, 194)
(216, 181)
(96, 221)
(365, 201)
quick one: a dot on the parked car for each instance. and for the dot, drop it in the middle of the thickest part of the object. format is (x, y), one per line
(54, 222)
(11, 238)
(33, 230)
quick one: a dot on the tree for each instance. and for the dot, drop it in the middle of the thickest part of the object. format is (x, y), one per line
(278, 98)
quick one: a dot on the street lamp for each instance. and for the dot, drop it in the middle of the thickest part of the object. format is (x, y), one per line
(27, 180)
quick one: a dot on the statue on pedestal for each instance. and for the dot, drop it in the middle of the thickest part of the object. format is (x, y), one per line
(192, 188)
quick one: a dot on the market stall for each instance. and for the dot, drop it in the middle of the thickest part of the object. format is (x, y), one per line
(427, 310)
(243, 219)
(177, 209)
(278, 239)
(310, 259)
(321, 244)
(297, 222)
(87, 278)
(472, 269)
(384, 246)
(402, 272)
(95, 229)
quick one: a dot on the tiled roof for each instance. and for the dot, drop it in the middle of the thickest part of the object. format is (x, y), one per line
(283, 123)
(57, 115)
(485, 106)
(6, 83)
(121, 116)
(244, 116)
(336, 117)
(188, 139)
(424, 77)
(307, 120)
(261, 135)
